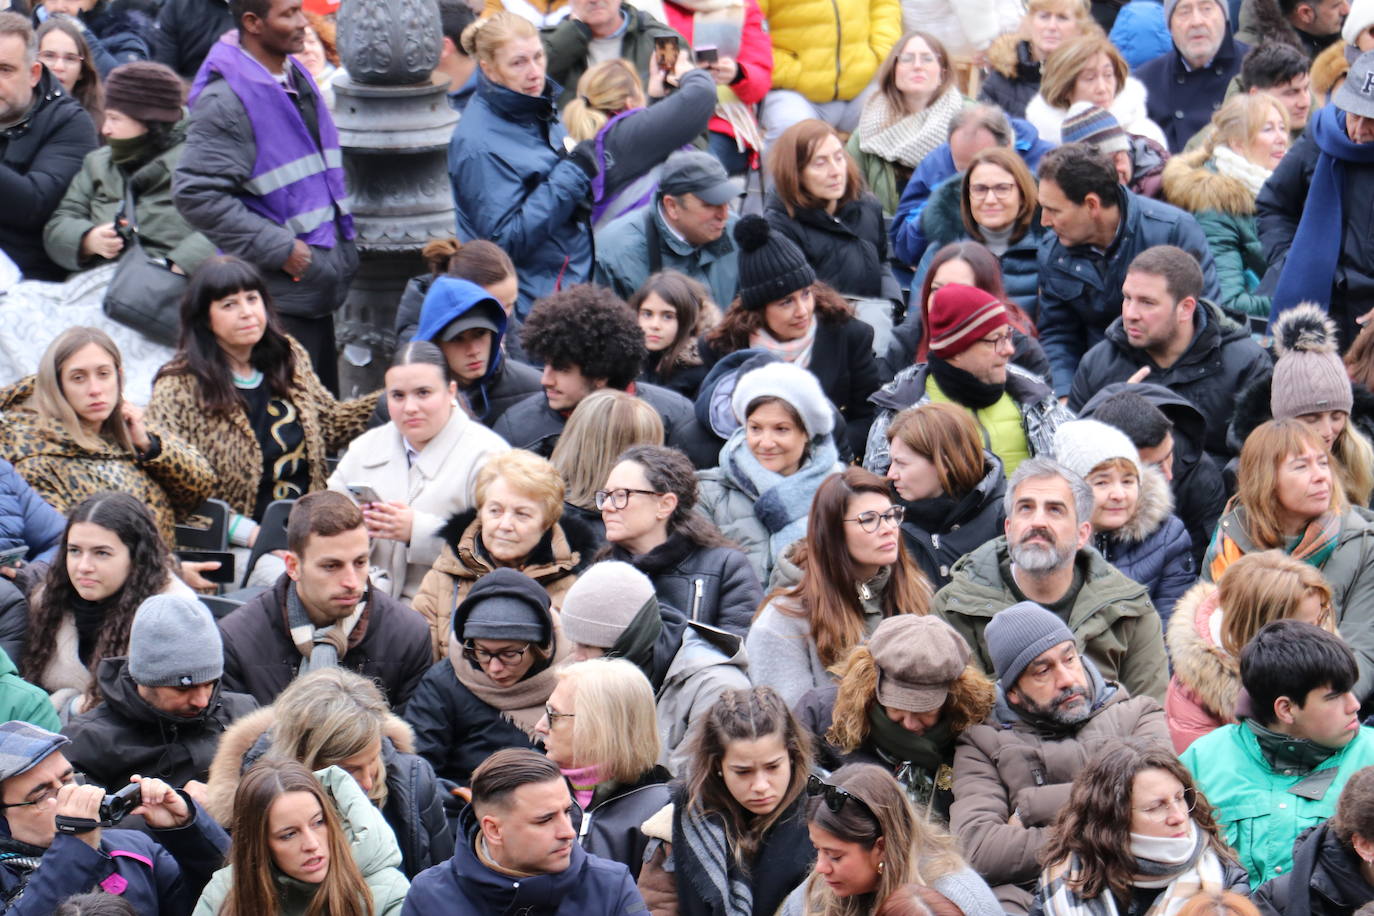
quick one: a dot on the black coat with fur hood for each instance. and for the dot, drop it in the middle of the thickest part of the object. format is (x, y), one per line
(1153, 548)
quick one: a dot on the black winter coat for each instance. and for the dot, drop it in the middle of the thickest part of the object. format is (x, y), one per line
(848, 250)
(122, 35)
(39, 157)
(1326, 874)
(531, 424)
(1278, 209)
(1199, 493)
(1013, 91)
(260, 658)
(939, 531)
(1181, 101)
(610, 824)
(1222, 360)
(842, 361)
(711, 585)
(125, 734)
(185, 31)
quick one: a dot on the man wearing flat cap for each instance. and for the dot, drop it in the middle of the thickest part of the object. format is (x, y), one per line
(1012, 773)
(686, 227)
(52, 843)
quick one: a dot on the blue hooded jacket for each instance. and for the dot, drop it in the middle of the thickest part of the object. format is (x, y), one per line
(449, 298)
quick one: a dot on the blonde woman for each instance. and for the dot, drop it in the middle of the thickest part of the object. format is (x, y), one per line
(631, 139)
(1218, 185)
(1212, 623)
(1015, 60)
(601, 428)
(600, 727)
(869, 842)
(335, 717)
(1089, 68)
(518, 523)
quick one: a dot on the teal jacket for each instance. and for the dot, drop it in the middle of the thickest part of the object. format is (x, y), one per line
(21, 700)
(1254, 805)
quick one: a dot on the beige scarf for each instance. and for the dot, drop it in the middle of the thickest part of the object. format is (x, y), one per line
(523, 702)
(906, 139)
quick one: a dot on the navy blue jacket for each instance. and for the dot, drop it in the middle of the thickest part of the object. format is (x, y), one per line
(1080, 289)
(161, 874)
(1181, 101)
(25, 519)
(589, 886)
(908, 238)
(513, 185)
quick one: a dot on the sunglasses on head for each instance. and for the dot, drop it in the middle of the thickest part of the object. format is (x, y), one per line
(834, 796)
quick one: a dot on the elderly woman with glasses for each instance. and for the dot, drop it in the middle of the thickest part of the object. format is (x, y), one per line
(834, 587)
(491, 690)
(1135, 837)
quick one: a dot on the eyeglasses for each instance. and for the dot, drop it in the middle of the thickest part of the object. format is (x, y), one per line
(49, 792)
(835, 796)
(999, 191)
(554, 715)
(998, 341)
(1159, 811)
(482, 657)
(619, 498)
(871, 520)
(54, 57)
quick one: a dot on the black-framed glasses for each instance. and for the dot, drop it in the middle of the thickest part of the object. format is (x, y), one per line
(618, 498)
(872, 519)
(482, 657)
(834, 796)
(554, 715)
(49, 792)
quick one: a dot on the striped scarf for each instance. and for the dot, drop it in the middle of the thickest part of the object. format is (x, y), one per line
(1203, 872)
(701, 849)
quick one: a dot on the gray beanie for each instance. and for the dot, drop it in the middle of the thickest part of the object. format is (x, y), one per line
(789, 383)
(1308, 375)
(603, 602)
(1081, 445)
(1017, 635)
(174, 642)
(505, 604)
(1169, 6)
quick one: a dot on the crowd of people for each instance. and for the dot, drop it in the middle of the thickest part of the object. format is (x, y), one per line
(853, 458)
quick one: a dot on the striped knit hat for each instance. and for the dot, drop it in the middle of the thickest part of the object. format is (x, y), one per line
(960, 316)
(1096, 127)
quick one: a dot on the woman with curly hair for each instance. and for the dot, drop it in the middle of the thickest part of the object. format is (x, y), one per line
(1135, 837)
(782, 308)
(110, 559)
(833, 588)
(903, 699)
(869, 843)
(673, 311)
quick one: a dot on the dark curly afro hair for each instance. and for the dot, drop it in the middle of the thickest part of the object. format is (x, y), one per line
(587, 327)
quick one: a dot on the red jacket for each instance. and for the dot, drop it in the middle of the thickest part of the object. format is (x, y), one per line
(755, 57)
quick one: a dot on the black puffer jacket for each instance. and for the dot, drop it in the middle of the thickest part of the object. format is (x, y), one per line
(1326, 874)
(939, 531)
(39, 157)
(126, 735)
(848, 250)
(610, 824)
(711, 585)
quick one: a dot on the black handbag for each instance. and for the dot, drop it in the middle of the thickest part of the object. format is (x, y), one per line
(145, 293)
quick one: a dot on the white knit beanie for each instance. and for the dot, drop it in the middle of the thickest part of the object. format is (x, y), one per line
(1360, 18)
(789, 383)
(1081, 445)
(603, 602)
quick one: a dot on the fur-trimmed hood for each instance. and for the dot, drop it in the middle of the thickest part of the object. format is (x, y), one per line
(567, 547)
(1202, 666)
(1010, 55)
(226, 769)
(1328, 71)
(1152, 508)
(1192, 184)
(1128, 108)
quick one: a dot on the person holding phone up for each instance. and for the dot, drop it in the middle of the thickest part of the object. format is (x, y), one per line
(600, 30)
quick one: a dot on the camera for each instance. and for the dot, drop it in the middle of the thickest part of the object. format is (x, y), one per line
(116, 807)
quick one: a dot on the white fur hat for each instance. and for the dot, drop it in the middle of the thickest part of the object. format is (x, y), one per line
(1081, 445)
(792, 384)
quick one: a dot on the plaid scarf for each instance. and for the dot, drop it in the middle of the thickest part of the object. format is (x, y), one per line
(1201, 872)
(322, 647)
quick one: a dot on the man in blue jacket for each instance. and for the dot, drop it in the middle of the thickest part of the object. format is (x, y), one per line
(1099, 227)
(518, 851)
(53, 845)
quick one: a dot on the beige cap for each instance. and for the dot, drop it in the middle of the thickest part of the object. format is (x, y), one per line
(917, 658)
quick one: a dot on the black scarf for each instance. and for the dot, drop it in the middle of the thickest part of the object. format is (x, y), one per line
(964, 387)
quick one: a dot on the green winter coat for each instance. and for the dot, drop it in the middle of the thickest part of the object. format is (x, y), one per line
(24, 701)
(1253, 804)
(374, 849)
(95, 196)
(567, 46)
(1113, 619)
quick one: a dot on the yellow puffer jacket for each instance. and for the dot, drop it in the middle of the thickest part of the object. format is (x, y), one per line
(829, 50)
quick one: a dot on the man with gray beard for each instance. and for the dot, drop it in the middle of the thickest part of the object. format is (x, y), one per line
(1044, 557)
(1013, 772)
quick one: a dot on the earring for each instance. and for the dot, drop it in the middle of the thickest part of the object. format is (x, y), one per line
(880, 867)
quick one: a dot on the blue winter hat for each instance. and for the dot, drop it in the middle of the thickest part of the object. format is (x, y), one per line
(1018, 635)
(452, 299)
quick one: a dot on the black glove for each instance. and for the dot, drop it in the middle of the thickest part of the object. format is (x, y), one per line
(584, 155)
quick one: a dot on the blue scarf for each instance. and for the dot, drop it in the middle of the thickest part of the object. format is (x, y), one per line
(781, 503)
(1308, 278)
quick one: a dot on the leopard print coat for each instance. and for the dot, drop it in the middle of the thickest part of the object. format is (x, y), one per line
(171, 485)
(231, 446)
